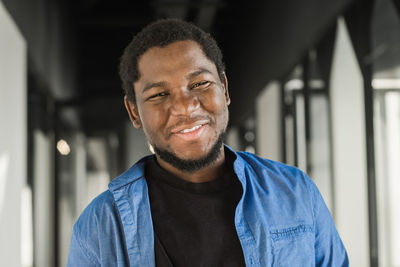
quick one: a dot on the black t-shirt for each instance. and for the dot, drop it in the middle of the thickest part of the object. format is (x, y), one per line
(194, 222)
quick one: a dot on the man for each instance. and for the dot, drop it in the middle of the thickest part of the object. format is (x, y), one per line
(196, 202)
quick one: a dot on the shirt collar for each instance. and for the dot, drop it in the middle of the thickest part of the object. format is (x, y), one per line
(136, 172)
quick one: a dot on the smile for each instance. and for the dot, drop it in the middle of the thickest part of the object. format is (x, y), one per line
(191, 134)
(191, 129)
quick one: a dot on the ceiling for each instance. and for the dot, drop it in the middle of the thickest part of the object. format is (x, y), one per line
(261, 41)
(104, 28)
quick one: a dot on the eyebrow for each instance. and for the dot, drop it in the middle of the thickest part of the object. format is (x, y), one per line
(163, 83)
(152, 85)
(197, 72)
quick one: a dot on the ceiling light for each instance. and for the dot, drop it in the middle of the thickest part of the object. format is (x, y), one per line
(63, 147)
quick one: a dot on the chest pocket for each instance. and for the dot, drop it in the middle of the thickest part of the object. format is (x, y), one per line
(293, 246)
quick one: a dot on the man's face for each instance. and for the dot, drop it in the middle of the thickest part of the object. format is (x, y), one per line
(181, 102)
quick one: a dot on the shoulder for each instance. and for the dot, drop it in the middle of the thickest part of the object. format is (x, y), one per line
(276, 181)
(103, 208)
(99, 211)
(270, 171)
(89, 229)
(287, 194)
(99, 207)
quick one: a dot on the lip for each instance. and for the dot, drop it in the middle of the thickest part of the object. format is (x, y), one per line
(193, 135)
(180, 128)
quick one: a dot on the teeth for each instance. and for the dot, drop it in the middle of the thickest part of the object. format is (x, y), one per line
(191, 129)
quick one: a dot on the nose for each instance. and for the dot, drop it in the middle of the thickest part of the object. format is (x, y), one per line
(184, 104)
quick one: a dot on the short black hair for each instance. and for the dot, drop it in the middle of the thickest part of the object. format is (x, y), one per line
(162, 33)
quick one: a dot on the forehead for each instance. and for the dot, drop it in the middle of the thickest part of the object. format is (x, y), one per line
(171, 59)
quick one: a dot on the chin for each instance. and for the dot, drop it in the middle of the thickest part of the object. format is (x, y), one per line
(192, 153)
(191, 160)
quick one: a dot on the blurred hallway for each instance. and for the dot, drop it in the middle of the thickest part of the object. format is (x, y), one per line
(313, 84)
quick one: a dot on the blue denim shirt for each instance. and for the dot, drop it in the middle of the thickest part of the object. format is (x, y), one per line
(281, 220)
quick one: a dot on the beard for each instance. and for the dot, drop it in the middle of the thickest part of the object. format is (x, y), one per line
(191, 165)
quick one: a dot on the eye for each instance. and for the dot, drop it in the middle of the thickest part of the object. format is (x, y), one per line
(157, 96)
(200, 85)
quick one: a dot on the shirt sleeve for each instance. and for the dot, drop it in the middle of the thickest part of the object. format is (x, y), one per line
(79, 255)
(329, 248)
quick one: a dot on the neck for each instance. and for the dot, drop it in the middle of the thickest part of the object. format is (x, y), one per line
(206, 174)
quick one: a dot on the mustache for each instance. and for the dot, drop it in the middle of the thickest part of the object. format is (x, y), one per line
(190, 120)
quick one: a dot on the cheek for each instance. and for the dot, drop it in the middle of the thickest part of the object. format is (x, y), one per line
(221, 109)
(152, 121)
(215, 103)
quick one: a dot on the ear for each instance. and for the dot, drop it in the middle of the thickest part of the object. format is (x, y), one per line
(226, 92)
(133, 113)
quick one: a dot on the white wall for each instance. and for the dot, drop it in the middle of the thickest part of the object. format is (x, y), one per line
(43, 199)
(73, 190)
(348, 122)
(269, 133)
(232, 138)
(387, 149)
(13, 137)
(136, 145)
(320, 148)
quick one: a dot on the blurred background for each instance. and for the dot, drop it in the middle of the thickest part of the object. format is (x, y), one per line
(315, 84)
